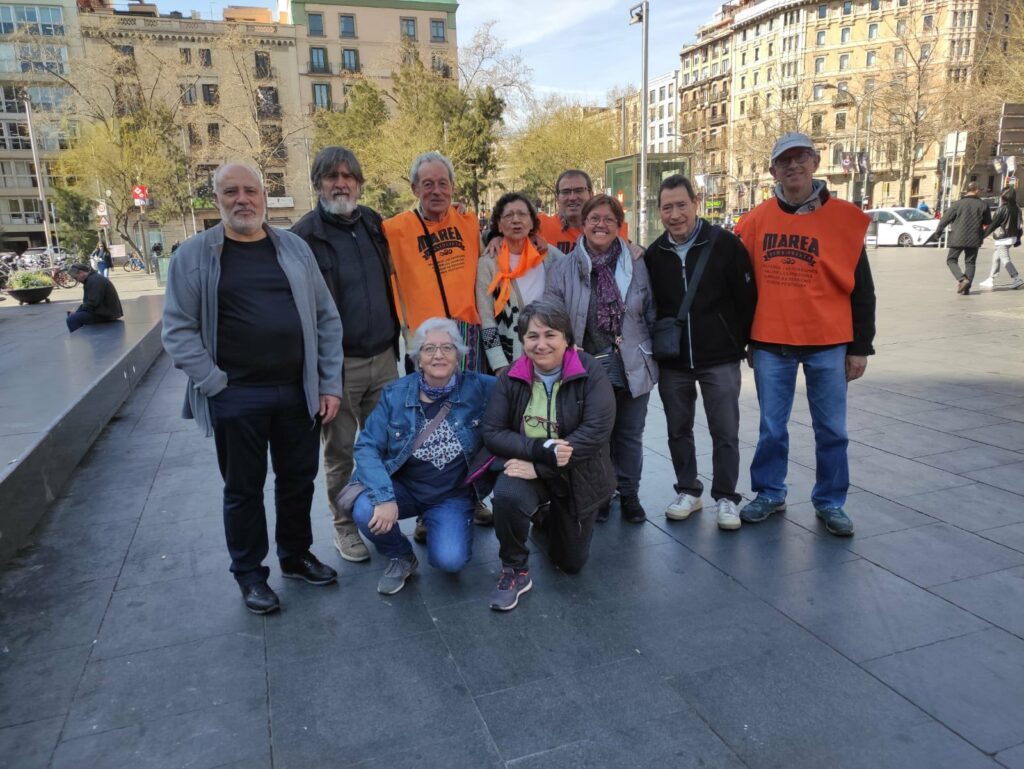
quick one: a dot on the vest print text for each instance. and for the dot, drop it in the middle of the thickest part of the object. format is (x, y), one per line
(449, 246)
(789, 259)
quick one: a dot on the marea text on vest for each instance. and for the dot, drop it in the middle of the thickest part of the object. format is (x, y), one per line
(788, 247)
(445, 241)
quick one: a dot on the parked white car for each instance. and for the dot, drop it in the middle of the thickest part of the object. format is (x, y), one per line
(901, 226)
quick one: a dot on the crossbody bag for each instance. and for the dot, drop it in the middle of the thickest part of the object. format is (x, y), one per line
(666, 337)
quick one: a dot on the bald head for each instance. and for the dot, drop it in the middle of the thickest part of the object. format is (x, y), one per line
(241, 200)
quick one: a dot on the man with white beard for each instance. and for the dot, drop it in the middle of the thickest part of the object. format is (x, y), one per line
(348, 242)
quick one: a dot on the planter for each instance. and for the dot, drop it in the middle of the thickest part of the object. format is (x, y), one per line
(31, 295)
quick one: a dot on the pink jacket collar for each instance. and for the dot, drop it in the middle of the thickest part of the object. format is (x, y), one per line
(572, 367)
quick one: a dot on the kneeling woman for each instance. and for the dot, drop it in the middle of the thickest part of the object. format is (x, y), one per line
(413, 454)
(548, 426)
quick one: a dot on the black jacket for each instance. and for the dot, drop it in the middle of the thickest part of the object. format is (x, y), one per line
(1011, 224)
(585, 409)
(966, 220)
(363, 313)
(722, 313)
(100, 297)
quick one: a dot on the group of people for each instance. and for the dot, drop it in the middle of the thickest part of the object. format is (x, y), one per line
(531, 356)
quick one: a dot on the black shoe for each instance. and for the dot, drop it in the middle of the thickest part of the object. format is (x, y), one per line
(420, 532)
(632, 510)
(604, 512)
(259, 598)
(307, 567)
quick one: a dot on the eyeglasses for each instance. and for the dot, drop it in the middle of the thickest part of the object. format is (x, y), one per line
(534, 421)
(796, 157)
(567, 191)
(610, 221)
(508, 216)
(431, 349)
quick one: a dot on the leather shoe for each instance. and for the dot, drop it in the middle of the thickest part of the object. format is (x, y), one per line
(307, 567)
(259, 598)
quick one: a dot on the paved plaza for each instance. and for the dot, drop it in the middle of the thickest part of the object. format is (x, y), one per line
(124, 641)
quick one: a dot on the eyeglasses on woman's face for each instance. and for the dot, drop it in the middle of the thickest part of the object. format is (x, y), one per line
(430, 350)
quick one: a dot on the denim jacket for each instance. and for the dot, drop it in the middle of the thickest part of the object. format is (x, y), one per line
(385, 442)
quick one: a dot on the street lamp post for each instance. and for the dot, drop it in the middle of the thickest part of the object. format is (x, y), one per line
(640, 14)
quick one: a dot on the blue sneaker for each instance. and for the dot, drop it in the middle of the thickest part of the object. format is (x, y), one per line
(836, 521)
(761, 508)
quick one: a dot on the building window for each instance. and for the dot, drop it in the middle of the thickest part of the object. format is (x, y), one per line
(186, 55)
(844, 34)
(348, 25)
(926, 51)
(188, 94)
(844, 61)
(408, 28)
(840, 121)
(819, 65)
(213, 132)
(275, 185)
(318, 60)
(822, 11)
(321, 95)
(350, 60)
(210, 95)
(267, 104)
(206, 57)
(872, 58)
(743, 59)
(847, 8)
(901, 28)
(756, 74)
(929, 23)
(872, 31)
(816, 120)
(437, 31)
(263, 68)
(903, 3)
(900, 55)
(32, 20)
(315, 24)
(743, 81)
(819, 92)
(876, 4)
(820, 39)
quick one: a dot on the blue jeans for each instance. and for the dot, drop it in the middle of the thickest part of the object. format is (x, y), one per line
(825, 376)
(449, 528)
(79, 318)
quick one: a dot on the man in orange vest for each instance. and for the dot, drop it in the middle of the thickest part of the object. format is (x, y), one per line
(815, 308)
(573, 189)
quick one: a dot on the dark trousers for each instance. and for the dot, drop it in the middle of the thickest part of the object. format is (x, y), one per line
(953, 262)
(246, 420)
(720, 390)
(517, 503)
(79, 318)
(627, 443)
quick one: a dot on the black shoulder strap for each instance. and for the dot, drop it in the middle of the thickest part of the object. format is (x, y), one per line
(437, 269)
(698, 272)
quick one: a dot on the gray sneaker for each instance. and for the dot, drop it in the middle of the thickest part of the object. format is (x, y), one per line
(836, 521)
(761, 508)
(397, 572)
(511, 584)
(350, 546)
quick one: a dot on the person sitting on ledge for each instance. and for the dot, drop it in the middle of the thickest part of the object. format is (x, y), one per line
(100, 302)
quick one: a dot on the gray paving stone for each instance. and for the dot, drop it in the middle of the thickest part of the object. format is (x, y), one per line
(972, 684)
(103, 506)
(787, 701)
(585, 704)
(912, 441)
(1012, 758)
(157, 568)
(1006, 435)
(977, 457)
(84, 553)
(29, 746)
(223, 735)
(468, 751)
(394, 694)
(40, 616)
(1006, 477)
(1010, 536)
(39, 686)
(892, 476)
(864, 611)
(150, 616)
(950, 420)
(933, 555)
(973, 507)
(998, 597)
(155, 539)
(870, 513)
(160, 683)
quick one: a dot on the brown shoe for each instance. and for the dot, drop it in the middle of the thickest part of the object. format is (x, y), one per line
(482, 515)
(963, 286)
(350, 546)
(420, 532)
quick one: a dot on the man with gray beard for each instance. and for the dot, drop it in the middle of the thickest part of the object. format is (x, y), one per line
(348, 242)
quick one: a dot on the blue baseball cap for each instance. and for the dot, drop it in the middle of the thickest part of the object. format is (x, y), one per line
(792, 140)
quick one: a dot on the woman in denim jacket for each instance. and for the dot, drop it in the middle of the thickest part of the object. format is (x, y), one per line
(414, 453)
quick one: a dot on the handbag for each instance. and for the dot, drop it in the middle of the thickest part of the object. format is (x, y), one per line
(347, 497)
(667, 332)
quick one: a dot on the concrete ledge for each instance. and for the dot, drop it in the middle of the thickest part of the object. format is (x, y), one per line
(59, 391)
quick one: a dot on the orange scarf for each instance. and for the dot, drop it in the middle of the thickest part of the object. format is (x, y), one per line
(529, 259)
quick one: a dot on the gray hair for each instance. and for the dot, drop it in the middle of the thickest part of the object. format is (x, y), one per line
(447, 325)
(221, 170)
(328, 159)
(430, 157)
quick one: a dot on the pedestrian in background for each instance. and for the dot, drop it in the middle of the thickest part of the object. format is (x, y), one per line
(966, 219)
(1006, 229)
(100, 302)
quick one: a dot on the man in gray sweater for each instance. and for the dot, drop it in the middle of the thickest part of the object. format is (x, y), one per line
(966, 219)
(249, 319)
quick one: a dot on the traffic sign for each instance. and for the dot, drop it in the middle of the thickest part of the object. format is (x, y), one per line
(140, 195)
(104, 222)
(101, 208)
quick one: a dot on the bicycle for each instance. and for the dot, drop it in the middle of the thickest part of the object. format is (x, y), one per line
(133, 264)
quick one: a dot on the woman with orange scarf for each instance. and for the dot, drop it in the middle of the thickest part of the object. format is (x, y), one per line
(511, 280)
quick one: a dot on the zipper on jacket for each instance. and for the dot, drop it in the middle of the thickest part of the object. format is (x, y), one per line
(689, 335)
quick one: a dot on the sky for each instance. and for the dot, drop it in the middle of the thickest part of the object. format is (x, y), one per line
(577, 48)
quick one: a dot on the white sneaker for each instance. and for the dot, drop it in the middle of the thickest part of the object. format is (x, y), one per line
(682, 506)
(728, 515)
(1017, 282)
(986, 285)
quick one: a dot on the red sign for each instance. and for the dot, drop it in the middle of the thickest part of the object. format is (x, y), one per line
(140, 195)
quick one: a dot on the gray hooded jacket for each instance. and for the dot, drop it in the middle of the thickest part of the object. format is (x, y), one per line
(190, 319)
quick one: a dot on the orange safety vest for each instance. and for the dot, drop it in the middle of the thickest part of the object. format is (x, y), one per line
(456, 241)
(565, 240)
(804, 266)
